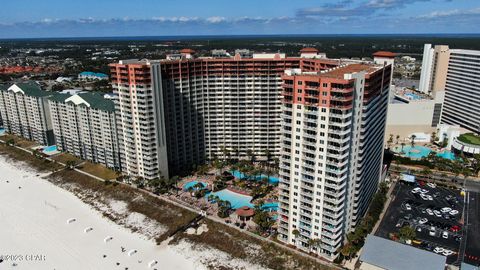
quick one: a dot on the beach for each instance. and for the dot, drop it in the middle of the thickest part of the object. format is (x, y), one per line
(43, 226)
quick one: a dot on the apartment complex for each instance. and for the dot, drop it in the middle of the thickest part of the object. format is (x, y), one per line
(84, 125)
(452, 76)
(200, 108)
(24, 110)
(333, 124)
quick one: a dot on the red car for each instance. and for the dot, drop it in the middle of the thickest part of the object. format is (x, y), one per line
(421, 183)
(455, 228)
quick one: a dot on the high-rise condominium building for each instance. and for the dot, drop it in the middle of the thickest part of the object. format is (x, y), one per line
(453, 77)
(462, 90)
(24, 110)
(331, 151)
(172, 114)
(84, 125)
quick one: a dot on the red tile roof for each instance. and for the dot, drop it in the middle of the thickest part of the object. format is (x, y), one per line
(385, 54)
(190, 51)
(309, 50)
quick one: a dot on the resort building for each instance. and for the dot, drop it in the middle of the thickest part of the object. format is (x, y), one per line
(84, 125)
(202, 108)
(434, 68)
(25, 113)
(333, 124)
(462, 90)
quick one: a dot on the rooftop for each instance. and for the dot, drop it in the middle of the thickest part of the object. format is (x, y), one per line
(309, 50)
(339, 72)
(387, 254)
(469, 138)
(27, 88)
(385, 54)
(91, 99)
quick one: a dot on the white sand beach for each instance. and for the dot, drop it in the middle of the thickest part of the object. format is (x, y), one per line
(46, 227)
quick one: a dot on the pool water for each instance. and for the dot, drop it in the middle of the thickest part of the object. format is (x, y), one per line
(421, 151)
(51, 148)
(240, 175)
(192, 184)
(237, 200)
(271, 207)
(2, 131)
(413, 96)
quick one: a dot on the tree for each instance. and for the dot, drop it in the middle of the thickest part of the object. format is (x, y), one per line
(397, 138)
(70, 164)
(433, 137)
(296, 233)
(314, 243)
(407, 233)
(224, 208)
(174, 181)
(263, 221)
(10, 142)
(251, 155)
(390, 141)
(403, 145)
(412, 140)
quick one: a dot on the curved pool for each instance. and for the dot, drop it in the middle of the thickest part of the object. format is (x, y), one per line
(240, 175)
(271, 207)
(421, 151)
(191, 184)
(237, 200)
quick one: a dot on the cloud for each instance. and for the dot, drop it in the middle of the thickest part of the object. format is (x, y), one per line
(455, 13)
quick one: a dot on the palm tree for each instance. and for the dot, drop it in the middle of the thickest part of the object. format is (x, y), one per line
(251, 155)
(403, 145)
(296, 233)
(397, 138)
(70, 164)
(412, 140)
(174, 180)
(390, 141)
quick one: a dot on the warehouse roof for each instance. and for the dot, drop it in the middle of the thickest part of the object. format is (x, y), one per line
(387, 254)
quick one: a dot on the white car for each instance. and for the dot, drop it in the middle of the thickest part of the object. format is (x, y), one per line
(423, 191)
(429, 197)
(439, 250)
(446, 209)
(453, 212)
(432, 185)
(445, 235)
(423, 221)
(424, 197)
(408, 207)
(429, 211)
(432, 231)
(437, 213)
(416, 190)
(447, 252)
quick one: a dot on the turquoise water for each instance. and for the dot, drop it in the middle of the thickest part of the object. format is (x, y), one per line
(192, 184)
(421, 151)
(240, 175)
(236, 200)
(2, 131)
(270, 206)
(413, 96)
(51, 148)
(447, 154)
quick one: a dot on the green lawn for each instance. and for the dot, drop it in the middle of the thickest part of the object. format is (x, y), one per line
(469, 138)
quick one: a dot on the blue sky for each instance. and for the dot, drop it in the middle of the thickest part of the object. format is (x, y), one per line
(85, 18)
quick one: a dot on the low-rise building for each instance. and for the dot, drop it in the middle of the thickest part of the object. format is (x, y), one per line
(25, 113)
(88, 75)
(84, 125)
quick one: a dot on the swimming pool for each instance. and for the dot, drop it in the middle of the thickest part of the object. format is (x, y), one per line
(271, 207)
(240, 175)
(191, 184)
(421, 151)
(237, 200)
(2, 131)
(49, 149)
(413, 96)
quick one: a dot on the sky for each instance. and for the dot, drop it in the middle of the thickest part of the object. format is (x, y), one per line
(107, 18)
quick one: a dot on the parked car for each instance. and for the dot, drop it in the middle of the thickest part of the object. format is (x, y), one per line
(416, 190)
(432, 185)
(408, 217)
(447, 252)
(437, 213)
(446, 209)
(453, 212)
(423, 221)
(432, 231)
(445, 234)
(439, 250)
(408, 207)
(429, 211)
(455, 228)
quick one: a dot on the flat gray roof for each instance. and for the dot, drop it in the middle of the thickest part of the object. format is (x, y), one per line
(392, 255)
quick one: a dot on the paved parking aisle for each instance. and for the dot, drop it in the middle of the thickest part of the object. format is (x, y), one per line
(472, 222)
(434, 212)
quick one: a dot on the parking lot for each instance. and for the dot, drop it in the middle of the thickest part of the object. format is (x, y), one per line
(436, 214)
